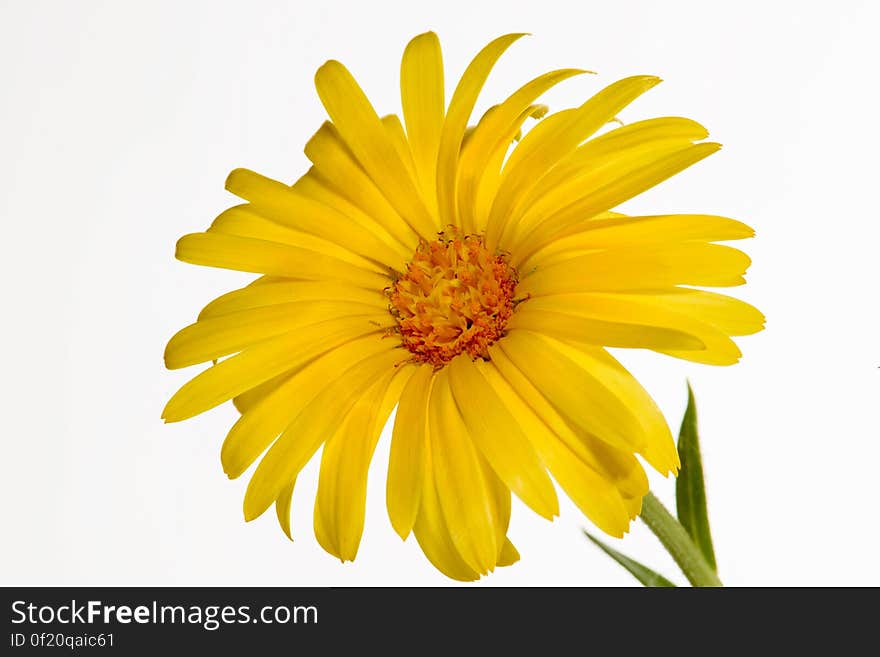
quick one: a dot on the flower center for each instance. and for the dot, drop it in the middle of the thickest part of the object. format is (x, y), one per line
(455, 297)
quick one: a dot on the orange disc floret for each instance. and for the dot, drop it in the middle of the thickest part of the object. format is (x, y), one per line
(455, 297)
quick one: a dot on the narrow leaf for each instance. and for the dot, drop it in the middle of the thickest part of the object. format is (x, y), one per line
(642, 573)
(690, 491)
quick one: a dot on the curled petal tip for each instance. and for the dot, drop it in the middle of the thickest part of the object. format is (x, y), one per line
(326, 67)
(233, 175)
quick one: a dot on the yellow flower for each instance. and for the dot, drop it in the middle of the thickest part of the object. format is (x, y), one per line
(472, 278)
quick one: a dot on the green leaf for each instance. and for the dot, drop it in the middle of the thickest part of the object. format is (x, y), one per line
(690, 491)
(642, 573)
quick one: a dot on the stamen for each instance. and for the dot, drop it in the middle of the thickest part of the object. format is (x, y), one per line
(455, 297)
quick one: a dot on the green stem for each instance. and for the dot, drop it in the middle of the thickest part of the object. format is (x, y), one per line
(677, 542)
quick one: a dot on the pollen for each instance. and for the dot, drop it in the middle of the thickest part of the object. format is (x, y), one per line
(455, 297)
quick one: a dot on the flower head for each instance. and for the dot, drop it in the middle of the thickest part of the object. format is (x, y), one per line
(455, 296)
(472, 278)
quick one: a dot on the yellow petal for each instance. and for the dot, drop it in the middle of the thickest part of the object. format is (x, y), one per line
(499, 438)
(341, 500)
(646, 313)
(397, 137)
(625, 333)
(286, 206)
(268, 417)
(314, 186)
(461, 484)
(594, 494)
(338, 170)
(342, 486)
(658, 446)
(249, 398)
(633, 506)
(422, 95)
(509, 555)
(649, 268)
(489, 178)
(494, 133)
(366, 137)
(322, 532)
(282, 508)
(403, 372)
(406, 464)
(551, 140)
(289, 291)
(619, 467)
(210, 339)
(633, 138)
(460, 107)
(625, 232)
(499, 498)
(575, 389)
(263, 257)
(433, 534)
(728, 315)
(541, 215)
(245, 221)
(309, 430)
(619, 182)
(260, 363)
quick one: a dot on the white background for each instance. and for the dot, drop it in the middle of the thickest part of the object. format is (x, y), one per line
(118, 124)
